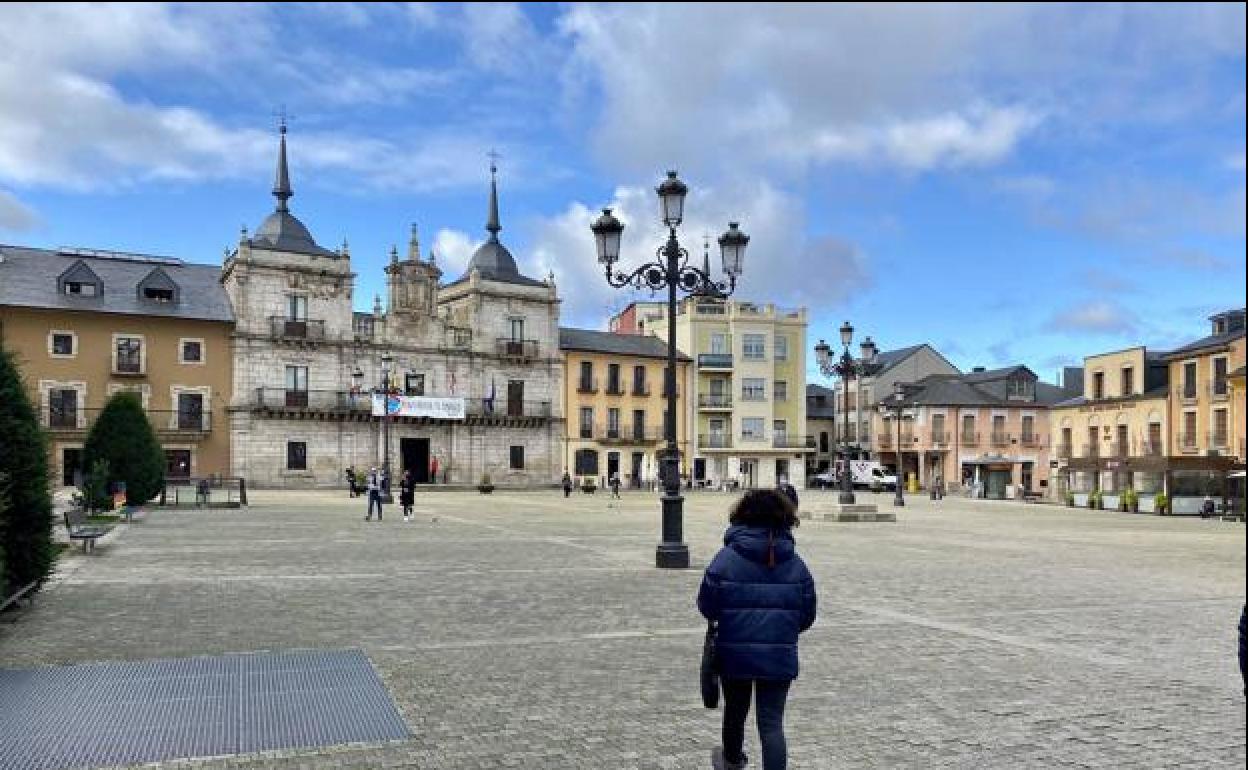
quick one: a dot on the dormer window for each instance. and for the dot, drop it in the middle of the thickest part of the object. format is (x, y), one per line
(1020, 389)
(79, 281)
(158, 287)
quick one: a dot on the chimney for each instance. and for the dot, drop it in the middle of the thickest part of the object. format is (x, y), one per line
(978, 369)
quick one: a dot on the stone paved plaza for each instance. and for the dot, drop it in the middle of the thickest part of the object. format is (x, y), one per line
(523, 630)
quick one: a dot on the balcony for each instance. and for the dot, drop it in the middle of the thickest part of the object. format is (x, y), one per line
(884, 441)
(1091, 450)
(283, 328)
(1219, 390)
(1120, 449)
(1030, 440)
(970, 439)
(1187, 442)
(1000, 439)
(164, 421)
(479, 407)
(516, 349)
(587, 386)
(641, 389)
(318, 400)
(715, 361)
(753, 395)
(615, 388)
(1065, 451)
(1186, 393)
(634, 434)
(939, 437)
(792, 441)
(1151, 449)
(714, 401)
(1219, 440)
(715, 440)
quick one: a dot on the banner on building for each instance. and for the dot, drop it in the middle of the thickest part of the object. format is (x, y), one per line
(419, 406)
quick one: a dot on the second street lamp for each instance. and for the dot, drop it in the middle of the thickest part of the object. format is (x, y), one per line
(895, 405)
(671, 270)
(387, 362)
(847, 368)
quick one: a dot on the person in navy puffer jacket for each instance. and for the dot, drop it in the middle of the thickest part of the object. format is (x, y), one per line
(761, 595)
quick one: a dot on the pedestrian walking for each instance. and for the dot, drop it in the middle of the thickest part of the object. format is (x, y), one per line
(373, 487)
(567, 484)
(433, 470)
(1207, 508)
(407, 494)
(760, 595)
(788, 490)
(353, 484)
(615, 486)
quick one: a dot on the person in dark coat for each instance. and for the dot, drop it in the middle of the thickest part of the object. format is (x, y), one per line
(567, 484)
(788, 490)
(761, 596)
(407, 494)
(1243, 647)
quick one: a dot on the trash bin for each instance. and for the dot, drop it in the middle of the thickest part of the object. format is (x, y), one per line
(912, 483)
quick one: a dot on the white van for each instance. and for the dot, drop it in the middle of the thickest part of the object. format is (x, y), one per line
(866, 473)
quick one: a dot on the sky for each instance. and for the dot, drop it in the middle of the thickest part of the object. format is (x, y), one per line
(1009, 183)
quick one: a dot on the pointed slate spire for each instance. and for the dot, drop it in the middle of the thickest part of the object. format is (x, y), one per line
(413, 246)
(492, 224)
(281, 182)
(706, 255)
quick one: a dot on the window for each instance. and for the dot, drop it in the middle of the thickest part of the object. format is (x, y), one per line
(613, 379)
(191, 352)
(296, 456)
(639, 381)
(1219, 428)
(517, 329)
(1128, 381)
(157, 294)
(414, 384)
(1020, 389)
(1029, 428)
(129, 355)
(63, 408)
(586, 462)
(1098, 385)
(780, 429)
(515, 398)
(1067, 438)
(782, 348)
(823, 442)
(781, 390)
(753, 347)
(587, 377)
(968, 427)
(752, 428)
(190, 411)
(1189, 430)
(998, 429)
(80, 289)
(517, 458)
(639, 424)
(587, 422)
(719, 343)
(753, 389)
(178, 463)
(62, 344)
(1094, 441)
(938, 429)
(296, 308)
(613, 423)
(1154, 439)
(297, 386)
(1219, 376)
(782, 469)
(1189, 380)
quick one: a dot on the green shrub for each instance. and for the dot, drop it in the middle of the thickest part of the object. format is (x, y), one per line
(1094, 498)
(4, 510)
(1070, 497)
(28, 552)
(123, 437)
(1161, 502)
(1129, 497)
(94, 490)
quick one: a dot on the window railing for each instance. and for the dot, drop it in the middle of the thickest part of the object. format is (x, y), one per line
(282, 327)
(1091, 450)
(626, 434)
(1151, 449)
(1000, 439)
(970, 439)
(640, 388)
(1121, 449)
(714, 401)
(1186, 391)
(1187, 442)
(940, 437)
(1219, 389)
(509, 348)
(614, 388)
(884, 441)
(1219, 439)
(162, 420)
(715, 360)
(792, 441)
(715, 440)
(1065, 451)
(1030, 439)
(587, 386)
(753, 395)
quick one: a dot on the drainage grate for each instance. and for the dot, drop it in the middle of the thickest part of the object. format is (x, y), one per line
(105, 714)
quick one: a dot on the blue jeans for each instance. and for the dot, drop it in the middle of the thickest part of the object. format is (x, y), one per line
(374, 496)
(770, 699)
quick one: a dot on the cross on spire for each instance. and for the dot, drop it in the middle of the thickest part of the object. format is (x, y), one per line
(281, 181)
(493, 156)
(492, 224)
(282, 118)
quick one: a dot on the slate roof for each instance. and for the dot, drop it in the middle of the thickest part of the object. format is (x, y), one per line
(820, 412)
(492, 259)
(968, 390)
(887, 359)
(641, 345)
(995, 374)
(28, 278)
(1212, 342)
(1153, 393)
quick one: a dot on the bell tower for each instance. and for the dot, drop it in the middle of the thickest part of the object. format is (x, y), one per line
(412, 282)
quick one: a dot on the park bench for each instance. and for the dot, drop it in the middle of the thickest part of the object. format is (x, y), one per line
(78, 528)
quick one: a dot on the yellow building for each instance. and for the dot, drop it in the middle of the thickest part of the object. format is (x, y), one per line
(85, 324)
(616, 406)
(1156, 422)
(748, 405)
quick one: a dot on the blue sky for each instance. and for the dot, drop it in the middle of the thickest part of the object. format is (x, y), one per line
(1014, 184)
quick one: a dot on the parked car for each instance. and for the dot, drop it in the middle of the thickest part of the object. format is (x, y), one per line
(867, 473)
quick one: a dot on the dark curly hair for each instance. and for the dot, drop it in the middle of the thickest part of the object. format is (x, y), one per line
(764, 508)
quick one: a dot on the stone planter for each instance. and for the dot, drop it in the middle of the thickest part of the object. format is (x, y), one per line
(485, 489)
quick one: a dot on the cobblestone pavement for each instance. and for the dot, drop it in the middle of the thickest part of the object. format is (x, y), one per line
(523, 630)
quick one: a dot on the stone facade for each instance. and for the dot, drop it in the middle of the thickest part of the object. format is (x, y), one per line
(306, 362)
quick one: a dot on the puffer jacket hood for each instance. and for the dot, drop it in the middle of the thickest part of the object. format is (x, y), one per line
(761, 545)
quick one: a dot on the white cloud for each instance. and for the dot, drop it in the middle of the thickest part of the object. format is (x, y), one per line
(15, 215)
(1097, 317)
(1235, 161)
(453, 249)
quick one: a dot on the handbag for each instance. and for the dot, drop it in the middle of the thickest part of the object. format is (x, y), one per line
(710, 668)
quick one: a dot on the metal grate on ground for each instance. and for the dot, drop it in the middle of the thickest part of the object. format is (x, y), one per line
(106, 714)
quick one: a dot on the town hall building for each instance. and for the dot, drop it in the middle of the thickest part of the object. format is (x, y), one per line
(472, 367)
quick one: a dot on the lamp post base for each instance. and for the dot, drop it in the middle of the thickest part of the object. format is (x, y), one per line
(899, 501)
(671, 556)
(846, 498)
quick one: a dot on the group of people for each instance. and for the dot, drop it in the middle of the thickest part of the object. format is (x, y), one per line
(376, 485)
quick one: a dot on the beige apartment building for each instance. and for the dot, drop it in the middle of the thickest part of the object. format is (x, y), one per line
(616, 401)
(747, 406)
(85, 324)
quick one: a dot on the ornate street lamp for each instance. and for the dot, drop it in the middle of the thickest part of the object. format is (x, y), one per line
(387, 362)
(846, 367)
(671, 270)
(895, 405)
